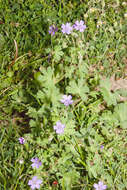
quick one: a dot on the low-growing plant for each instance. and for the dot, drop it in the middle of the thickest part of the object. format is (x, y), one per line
(63, 124)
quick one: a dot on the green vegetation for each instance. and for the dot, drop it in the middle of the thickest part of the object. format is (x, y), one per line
(37, 69)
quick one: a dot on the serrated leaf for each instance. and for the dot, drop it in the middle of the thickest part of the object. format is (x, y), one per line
(109, 97)
(40, 95)
(32, 112)
(58, 53)
(79, 88)
(50, 94)
(82, 70)
(70, 178)
(45, 77)
(70, 128)
(120, 112)
(48, 76)
(32, 123)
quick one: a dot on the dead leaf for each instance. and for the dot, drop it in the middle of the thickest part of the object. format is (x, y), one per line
(1, 22)
(122, 99)
(16, 54)
(118, 84)
(14, 24)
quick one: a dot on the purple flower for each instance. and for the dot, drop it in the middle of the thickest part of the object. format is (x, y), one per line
(36, 162)
(52, 30)
(67, 100)
(79, 25)
(35, 183)
(100, 186)
(66, 28)
(21, 140)
(59, 127)
(102, 147)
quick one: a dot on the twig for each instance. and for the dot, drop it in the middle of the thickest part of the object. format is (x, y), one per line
(16, 54)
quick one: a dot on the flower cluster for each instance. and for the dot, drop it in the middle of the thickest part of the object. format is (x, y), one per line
(67, 28)
(79, 26)
(59, 127)
(35, 183)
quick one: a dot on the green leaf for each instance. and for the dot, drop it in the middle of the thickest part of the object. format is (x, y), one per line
(78, 88)
(70, 179)
(70, 128)
(120, 112)
(32, 112)
(49, 94)
(82, 70)
(109, 97)
(58, 53)
(32, 123)
(38, 77)
(95, 106)
(122, 92)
